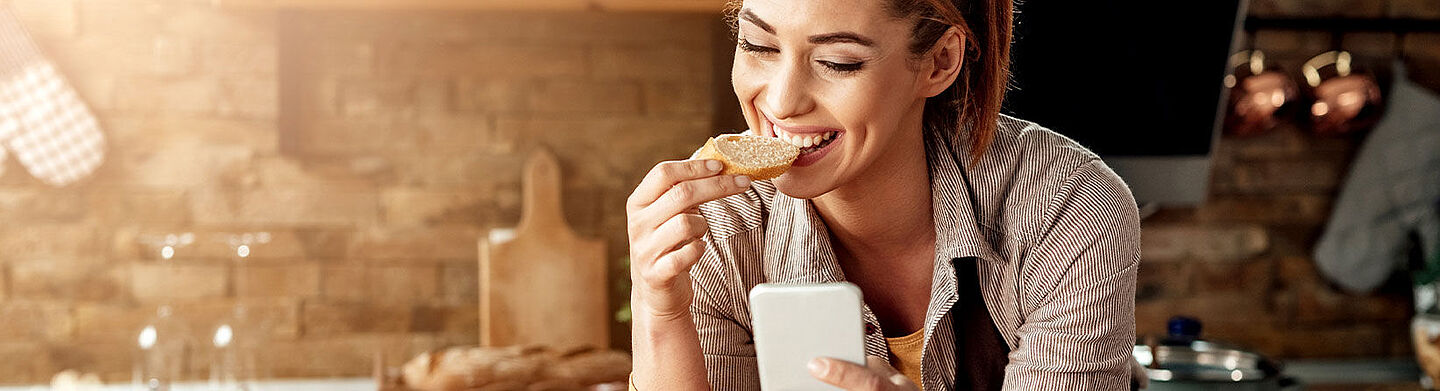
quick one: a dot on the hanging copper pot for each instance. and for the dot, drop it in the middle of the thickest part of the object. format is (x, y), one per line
(1344, 101)
(1258, 94)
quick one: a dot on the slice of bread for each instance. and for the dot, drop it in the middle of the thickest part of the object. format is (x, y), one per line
(758, 157)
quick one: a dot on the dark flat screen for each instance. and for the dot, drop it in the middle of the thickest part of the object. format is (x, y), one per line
(1124, 77)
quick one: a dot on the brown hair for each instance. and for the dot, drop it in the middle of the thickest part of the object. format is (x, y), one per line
(974, 100)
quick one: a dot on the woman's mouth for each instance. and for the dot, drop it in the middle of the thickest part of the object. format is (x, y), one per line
(814, 142)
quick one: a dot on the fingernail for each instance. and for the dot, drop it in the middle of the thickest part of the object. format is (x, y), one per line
(817, 366)
(742, 181)
(714, 165)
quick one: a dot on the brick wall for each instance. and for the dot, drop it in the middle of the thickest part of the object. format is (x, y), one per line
(375, 148)
(1241, 262)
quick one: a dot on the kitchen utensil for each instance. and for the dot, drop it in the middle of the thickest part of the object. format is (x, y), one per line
(1259, 94)
(1183, 361)
(1344, 101)
(545, 284)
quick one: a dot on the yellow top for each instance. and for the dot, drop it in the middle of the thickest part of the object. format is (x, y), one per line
(907, 351)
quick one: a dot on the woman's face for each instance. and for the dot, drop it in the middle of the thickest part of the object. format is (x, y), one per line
(835, 77)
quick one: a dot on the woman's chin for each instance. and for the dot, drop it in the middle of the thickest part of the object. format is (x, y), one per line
(797, 185)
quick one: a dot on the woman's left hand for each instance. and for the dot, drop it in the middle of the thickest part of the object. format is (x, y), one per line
(876, 375)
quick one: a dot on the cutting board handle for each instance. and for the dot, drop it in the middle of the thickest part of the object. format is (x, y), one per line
(541, 187)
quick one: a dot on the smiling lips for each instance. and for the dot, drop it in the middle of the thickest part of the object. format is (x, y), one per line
(808, 138)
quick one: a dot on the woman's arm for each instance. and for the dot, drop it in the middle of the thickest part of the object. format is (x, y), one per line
(1078, 289)
(667, 353)
(665, 232)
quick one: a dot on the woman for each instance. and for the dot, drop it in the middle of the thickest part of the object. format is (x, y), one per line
(992, 253)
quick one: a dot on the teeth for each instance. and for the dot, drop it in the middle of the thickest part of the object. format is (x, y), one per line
(803, 141)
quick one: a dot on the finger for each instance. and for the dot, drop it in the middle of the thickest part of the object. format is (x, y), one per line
(668, 173)
(691, 193)
(675, 232)
(846, 375)
(672, 265)
(882, 368)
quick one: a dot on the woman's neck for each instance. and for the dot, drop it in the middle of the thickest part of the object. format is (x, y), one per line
(885, 213)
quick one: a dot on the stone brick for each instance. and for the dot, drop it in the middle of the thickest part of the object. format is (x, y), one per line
(214, 243)
(347, 283)
(228, 58)
(647, 62)
(1254, 277)
(449, 242)
(461, 171)
(138, 132)
(492, 95)
(170, 96)
(329, 319)
(1420, 9)
(174, 166)
(36, 320)
(1268, 208)
(1164, 280)
(248, 97)
(201, 20)
(158, 282)
(340, 57)
(1203, 243)
(69, 280)
(47, 18)
(41, 205)
(403, 284)
(402, 97)
(585, 96)
(351, 355)
(460, 319)
(522, 61)
(275, 319)
(278, 281)
(111, 361)
(107, 56)
(284, 207)
(639, 143)
(140, 206)
(1318, 8)
(695, 97)
(96, 90)
(26, 362)
(416, 207)
(460, 283)
(49, 241)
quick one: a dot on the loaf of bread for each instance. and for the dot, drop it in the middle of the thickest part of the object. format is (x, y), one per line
(519, 368)
(758, 157)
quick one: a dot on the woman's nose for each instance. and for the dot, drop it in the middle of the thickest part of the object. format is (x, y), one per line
(786, 95)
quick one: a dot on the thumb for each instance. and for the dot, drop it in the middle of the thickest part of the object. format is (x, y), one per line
(845, 374)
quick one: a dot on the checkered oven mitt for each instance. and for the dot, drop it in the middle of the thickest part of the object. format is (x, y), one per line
(42, 120)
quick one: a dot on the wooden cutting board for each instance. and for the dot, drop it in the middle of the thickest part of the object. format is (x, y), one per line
(544, 284)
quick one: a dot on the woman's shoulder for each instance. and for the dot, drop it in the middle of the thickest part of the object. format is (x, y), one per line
(1028, 164)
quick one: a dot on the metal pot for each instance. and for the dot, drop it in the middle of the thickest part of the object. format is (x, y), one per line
(1183, 362)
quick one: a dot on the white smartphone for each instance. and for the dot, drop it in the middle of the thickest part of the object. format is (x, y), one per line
(794, 323)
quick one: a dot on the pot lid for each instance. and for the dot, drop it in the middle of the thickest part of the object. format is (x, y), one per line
(1182, 356)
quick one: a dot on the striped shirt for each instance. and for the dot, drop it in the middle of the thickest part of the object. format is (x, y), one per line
(1054, 233)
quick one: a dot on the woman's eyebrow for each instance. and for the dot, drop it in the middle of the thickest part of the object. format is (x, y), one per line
(841, 37)
(746, 14)
(837, 37)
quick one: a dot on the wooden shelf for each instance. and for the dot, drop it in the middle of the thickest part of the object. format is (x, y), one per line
(708, 6)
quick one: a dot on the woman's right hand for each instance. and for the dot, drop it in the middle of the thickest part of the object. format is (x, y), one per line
(666, 231)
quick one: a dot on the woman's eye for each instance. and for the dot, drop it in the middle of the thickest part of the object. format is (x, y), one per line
(753, 48)
(842, 67)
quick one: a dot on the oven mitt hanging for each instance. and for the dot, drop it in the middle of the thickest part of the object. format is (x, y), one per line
(43, 123)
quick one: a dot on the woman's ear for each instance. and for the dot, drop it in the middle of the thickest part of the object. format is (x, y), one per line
(942, 64)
